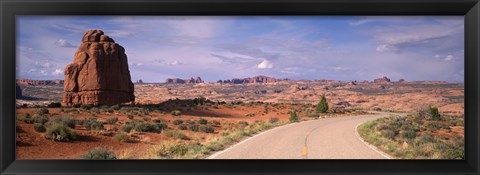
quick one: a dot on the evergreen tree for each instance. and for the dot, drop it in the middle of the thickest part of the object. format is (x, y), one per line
(322, 106)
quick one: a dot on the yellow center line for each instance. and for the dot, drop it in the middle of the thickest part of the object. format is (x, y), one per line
(305, 151)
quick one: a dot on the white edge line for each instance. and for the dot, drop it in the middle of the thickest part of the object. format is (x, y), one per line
(258, 134)
(370, 145)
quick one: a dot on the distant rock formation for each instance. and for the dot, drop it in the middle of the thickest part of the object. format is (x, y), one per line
(401, 80)
(181, 81)
(256, 79)
(140, 81)
(29, 82)
(99, 74)
(18, 91)
(382, 80)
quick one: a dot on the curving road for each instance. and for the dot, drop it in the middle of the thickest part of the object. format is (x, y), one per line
(333, 138)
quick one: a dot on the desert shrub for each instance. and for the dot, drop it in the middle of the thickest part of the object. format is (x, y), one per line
(60, 132)
(146, 118)
(182, 127)
(158, 120)
(176, 112)
(40, 119)
(54, 105)
(66, 120)
(293, 116)
(424, 138)
(122, 138)
(377, 109)
(433, 126)
(177, 122)
(28, 120)
(27, 115)
(176, 134)
(243, 123)
(322, 106)
(190, 122)
(388, 134)
(203, 121)
(110, 110)
(273, 120)
(42, 111)
(112, 120)
(92, 124)
(115, 107)
(170, 150)
(86, 106)
(200, 100)
(127, 127)
(215, 122)
(409, 134)
(145, 127)
(206, 129)
(194, 127)
(433, 111)
(100, 154)
(130, 117)
(39, 127)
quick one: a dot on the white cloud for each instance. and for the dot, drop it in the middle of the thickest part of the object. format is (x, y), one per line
(174, 63)
(265, 64)
(63, 43)
(57, 72)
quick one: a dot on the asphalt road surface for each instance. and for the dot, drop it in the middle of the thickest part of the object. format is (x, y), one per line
(332, 138)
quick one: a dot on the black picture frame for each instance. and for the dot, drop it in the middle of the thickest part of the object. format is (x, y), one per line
(11, 8)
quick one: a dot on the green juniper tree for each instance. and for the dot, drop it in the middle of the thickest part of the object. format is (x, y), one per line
(322, 106)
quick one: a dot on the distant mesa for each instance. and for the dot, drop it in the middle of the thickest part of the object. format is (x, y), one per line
(401, 80)
(185, 81)
(29, 82)
(139, 81)
(382, 80)
(99, 74)
(256, 79)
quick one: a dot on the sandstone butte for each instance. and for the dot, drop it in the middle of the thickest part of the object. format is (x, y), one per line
(99, 74)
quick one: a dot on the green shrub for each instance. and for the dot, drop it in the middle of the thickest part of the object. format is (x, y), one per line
(177, 122)
(203, 121)
(388, 134)
(322, 106)
(273, 120)
(54, 105)
(66, 120)
(92, 124)
(86, 106)
(100, 154)
(146, 118)
(206, 129)
(434, 126)
(127, 127)
(115, 107)
(194, 127)
(39, 127)
(377, 109)
(42, 111)
(433, 111)
(130, 117)
(216, 123)
(176, 112)
(409, 134)
(182, 127)
(293, 116)
(122, 138)
(176, 134)
(60, 132)
(112, 120)
(29, 120)
(243, 123)
(40, 119)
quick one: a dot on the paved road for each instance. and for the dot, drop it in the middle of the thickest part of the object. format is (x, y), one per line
(333, 138)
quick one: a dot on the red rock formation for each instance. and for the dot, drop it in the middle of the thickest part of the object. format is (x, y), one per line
(382, 80)
(256, 79)
(29, 82)
(99, 73)
(188, 81)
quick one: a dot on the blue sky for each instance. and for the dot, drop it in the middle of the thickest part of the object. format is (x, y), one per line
(296, 47)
